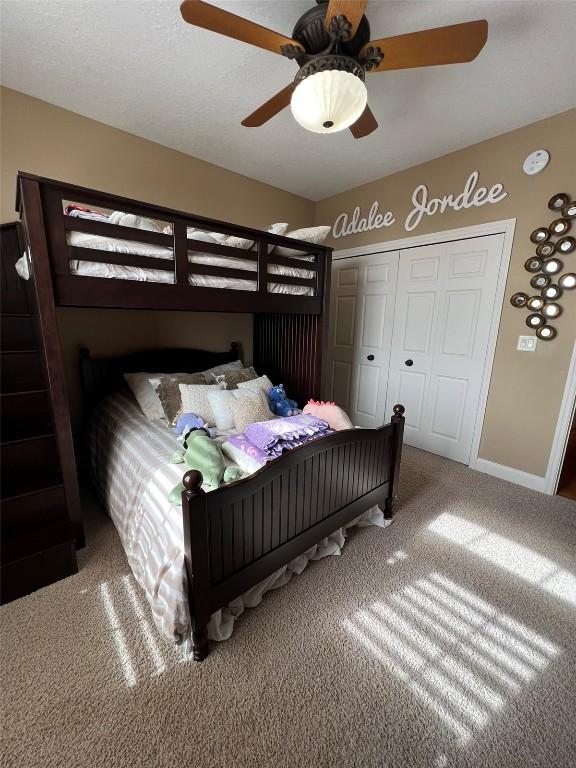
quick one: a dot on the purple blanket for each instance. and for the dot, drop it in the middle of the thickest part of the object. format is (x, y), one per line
(243, 444)
(278, 435)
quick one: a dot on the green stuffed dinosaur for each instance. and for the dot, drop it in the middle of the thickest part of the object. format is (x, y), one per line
(204, 454)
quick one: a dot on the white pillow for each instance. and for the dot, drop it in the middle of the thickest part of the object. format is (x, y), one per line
(238, 242)
(205, 237)
(145, 394)
(278, 229)
(262, 382)
(220, 403)
(131, 220)
(211, 373)
(195, 400)
(314, 235)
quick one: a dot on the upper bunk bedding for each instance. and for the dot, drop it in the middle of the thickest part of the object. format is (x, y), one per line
(130, 464)
(121, 272)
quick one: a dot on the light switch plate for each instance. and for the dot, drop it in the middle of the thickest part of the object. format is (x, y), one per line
(527, 343)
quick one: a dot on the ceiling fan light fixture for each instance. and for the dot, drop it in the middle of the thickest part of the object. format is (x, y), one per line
(329, 94)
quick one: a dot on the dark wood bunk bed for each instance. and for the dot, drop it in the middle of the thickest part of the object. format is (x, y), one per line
(237, 535)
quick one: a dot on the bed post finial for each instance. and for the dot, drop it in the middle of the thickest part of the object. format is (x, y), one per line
(192, 482)
(399, 410)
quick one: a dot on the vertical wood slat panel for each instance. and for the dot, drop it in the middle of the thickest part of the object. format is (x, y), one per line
(258, 525)
(227, 541)
(248, 527)
(216, 546)
(287, 347)
(291, 505)
(293, 501)
(275, 512)
(238, 550)
(267, 514)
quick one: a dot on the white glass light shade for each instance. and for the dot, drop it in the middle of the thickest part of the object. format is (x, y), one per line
(329, 101)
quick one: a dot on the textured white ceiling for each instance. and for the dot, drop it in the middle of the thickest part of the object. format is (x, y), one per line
(135, 65)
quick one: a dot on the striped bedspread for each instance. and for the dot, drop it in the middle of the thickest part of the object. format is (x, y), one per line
(129, 457)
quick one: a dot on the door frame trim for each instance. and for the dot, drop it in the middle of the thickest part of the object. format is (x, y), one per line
(505, 227)
(562, 432)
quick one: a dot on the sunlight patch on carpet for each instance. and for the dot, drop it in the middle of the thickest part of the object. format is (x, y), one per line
(508, 555)
(457, 653)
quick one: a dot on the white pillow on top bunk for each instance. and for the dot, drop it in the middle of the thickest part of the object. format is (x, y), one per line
(314, 235)
(131, 220)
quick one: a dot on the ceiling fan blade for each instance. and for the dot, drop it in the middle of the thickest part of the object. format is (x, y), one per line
(365, 124)
(352, 9)
(455, 44)
(207, 16)
(276, 104)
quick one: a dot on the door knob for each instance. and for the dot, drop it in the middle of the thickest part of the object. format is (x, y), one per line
(409, 362)
(370, 357)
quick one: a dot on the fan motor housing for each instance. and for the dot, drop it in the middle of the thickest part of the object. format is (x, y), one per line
(311, 33)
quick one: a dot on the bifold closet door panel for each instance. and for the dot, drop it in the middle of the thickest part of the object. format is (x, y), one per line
(444, 310)
(361, 320)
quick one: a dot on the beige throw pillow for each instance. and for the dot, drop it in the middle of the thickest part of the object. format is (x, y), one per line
(195, 400)
(210, 373)
(168, 391)
(231, 379)
(249, 409)
(262, 382)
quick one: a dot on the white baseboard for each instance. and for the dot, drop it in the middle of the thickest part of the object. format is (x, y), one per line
(534, 482)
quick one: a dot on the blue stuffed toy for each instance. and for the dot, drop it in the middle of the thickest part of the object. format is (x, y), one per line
(188, 421)
(279, 404)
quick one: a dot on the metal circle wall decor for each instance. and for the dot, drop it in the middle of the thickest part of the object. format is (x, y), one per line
(519, 300)
(560, 227)
(566, 245)
(558, 201)
(540, 281)
(535, 320)
(533, 265)
(567, 281)
(535, 303)
(552, 266)
(552, 292)
(546, 332)
(551, 310)
(552, 244)
(545, 249)
(539, 235)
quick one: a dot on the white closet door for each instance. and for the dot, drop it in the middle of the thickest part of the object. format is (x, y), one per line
(361, 319)
(442, 323)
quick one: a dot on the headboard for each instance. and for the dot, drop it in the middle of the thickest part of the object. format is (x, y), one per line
(102, 376)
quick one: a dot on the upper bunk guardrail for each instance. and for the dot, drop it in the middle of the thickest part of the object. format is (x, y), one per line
(176, 255)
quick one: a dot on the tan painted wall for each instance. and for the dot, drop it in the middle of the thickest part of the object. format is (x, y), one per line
(40, 138)
(526, 388)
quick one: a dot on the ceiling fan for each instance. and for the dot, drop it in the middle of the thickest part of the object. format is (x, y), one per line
(332, 47)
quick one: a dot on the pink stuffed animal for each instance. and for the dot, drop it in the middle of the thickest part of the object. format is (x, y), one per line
(330, 412)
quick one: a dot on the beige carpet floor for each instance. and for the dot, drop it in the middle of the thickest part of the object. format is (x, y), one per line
(448, 639)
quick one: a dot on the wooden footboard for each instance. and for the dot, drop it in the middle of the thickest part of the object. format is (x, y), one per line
(238, 535)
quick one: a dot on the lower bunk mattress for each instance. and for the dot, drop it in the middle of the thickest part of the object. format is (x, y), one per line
(131, 469)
